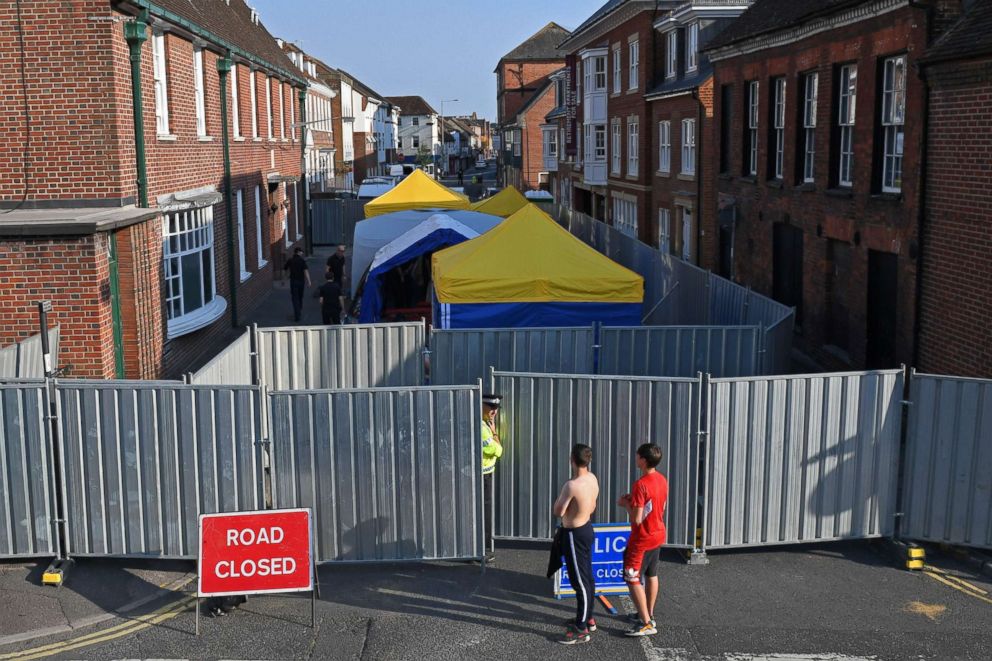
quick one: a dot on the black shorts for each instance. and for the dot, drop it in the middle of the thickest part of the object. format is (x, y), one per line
(649, 565)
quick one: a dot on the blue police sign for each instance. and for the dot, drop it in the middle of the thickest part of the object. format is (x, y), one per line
(607, 561)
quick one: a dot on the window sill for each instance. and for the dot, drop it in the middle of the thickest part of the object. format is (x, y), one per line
(887, 197)
(840, 192)
(723, 176)
(204, 138)
(245, 275)
(807, 187)
(194, 321)
(748, 180)
(256, 139)
(239, 138)
(167, 137)
(774, 183)
(633, 90)
(283, 139)
(261, 265)
(272, 140)
(682, 176)
(663, 173)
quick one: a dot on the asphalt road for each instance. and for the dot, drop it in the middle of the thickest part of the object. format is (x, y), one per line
(832, 602)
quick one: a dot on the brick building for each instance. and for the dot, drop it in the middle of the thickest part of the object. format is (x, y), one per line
(319, 148)
(150, 249)
(343, 124)
(418, 131)
(818, 135)
(521, 75)
(955, 306)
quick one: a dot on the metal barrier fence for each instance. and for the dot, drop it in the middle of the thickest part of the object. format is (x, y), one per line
(143, 459)
(802, 459)
(28, 509)
(391, 474)
(465, 356)
(352, 356)
(232, 366)
(24, 359)
(947, 472)
(334, 220)
(676, 351)
(544, 415)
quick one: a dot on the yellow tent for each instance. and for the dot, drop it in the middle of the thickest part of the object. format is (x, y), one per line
(529, 271)
(417, 191)
(503, 204)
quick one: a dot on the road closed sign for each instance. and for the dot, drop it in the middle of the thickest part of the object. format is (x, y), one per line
(255, 552)
(607, 561)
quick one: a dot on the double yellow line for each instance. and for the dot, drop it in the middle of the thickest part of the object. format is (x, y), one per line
(958, 584)
(133, 625)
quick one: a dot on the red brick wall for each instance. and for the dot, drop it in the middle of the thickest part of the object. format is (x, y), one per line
(520, 81)
(956, 294)
(139, 265)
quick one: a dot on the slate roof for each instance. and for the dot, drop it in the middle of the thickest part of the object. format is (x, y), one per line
(598, 14)
(542, 45)
(970, 37)
(232, 22)
(766, 16)
(412, 105)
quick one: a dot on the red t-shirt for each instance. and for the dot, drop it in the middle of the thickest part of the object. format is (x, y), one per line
(650, 493)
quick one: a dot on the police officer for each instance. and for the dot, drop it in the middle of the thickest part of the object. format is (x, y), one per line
(491, 451)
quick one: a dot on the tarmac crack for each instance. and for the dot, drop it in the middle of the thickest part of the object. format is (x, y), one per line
(365, 640)
(313, 639)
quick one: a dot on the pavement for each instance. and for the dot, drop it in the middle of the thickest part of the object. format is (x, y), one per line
(836, 602)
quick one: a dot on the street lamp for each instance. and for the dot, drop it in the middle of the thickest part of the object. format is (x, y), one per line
(443, 101)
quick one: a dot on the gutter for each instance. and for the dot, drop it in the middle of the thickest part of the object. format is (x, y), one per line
(700, 114)
(135, 33)
(224, 65)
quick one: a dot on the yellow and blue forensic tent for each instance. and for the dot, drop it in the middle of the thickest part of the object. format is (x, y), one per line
(417, 191)
(503, 204)
(529, 271)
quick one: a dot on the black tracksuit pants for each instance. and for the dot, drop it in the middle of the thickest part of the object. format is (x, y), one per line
(576, 546)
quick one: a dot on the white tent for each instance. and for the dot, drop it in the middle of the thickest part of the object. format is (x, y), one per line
(438, 221)
(374, 233)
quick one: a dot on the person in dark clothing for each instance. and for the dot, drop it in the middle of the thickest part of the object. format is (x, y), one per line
(335, 264)
(299, 280)
(330, 300)
(461, 177)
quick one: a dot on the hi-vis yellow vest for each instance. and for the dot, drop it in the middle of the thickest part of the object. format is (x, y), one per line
(491, 449)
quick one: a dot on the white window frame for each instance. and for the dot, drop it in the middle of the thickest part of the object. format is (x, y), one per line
(893, 122)
(810, 85)
(634, 49)
(259, 223)
(599, 74)
(199, 94)
(159, 66)
(752, 124)
(665, 146)
(692, 47)
(689, 146)
(665, 230)
(235, 109)
(294, 206)
(625, 215)
(550, 144)
(253, 84)
(615, 155)
(779, 127)
(633, 146)
(185, 233)
(847, 107)
(242, 258)
(268, 107)
(292, 114)
(687, 214)
(599, 143)
(415, 142)
(282, 110)
(617, 71)
(672, 54)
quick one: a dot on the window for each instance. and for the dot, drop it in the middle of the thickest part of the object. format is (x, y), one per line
(778, 129)
(635, 63)
(517, 134)
(258, 228)
(595, 135)
(235, 109)
(691, 47)
(239, 204)
(268, 106)
(809, 126)
(664, 231)
(161, 86)
(671, 62)
(633, 135)
(616, 70)
(726, 124)
(415, 142)
(665, 146)
(282, 110)
(688, 146)
(625, 215)
(199, 95)
(561, 141)
(254, 104)
(615, 147)
(847, 101)
(190, 287)
(893, 119)
(687, 231)
(550, 137)
(600, 71)
(296, 218)
(751, 131)
(292, 115)
(416, 121)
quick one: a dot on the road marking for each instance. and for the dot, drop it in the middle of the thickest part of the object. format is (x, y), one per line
(958, 584)
(133, 625)
(929, 611)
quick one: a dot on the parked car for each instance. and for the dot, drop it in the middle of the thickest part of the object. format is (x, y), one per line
(481, 163)
(373, 187)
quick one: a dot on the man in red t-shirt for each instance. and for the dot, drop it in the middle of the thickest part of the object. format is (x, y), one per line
(645, 505)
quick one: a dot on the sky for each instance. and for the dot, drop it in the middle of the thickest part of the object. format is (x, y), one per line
(437, 49)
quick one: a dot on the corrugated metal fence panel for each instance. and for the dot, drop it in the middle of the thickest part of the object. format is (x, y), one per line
(947, 492)
(334, 220)
(778, 346)
(353, 356)
(728, 302)
(680, 351)
(693, 294)
(802, 459)
(392, 474)
(231, 367)
(27, 479)
(144, 459)
(8, 362)
(464, 356)
(24, 359)
(543, 416)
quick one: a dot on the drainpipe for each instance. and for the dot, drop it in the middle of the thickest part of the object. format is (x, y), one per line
(307, 216)
(223, 68)
(700, 115)
(135, 35)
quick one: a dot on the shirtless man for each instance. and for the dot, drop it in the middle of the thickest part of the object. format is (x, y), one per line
(575, 506)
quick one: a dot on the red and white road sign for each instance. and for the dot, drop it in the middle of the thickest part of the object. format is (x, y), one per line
(255, 552)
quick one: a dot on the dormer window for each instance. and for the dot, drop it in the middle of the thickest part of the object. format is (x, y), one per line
(672, 53)
(692, 47)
